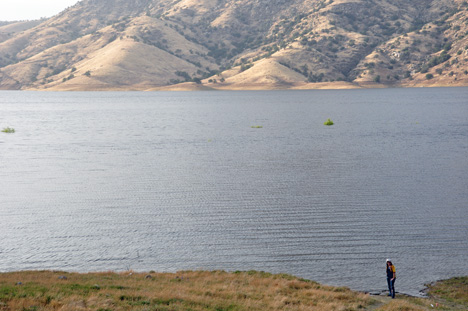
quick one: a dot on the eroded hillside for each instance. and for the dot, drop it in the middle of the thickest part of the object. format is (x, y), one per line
(243, 44)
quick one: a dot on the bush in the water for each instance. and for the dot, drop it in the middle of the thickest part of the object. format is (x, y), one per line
(328, 122)
(8, 130)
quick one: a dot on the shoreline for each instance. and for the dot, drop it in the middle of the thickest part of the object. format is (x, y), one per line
(423, 292)
(192, 86)
(206, 290)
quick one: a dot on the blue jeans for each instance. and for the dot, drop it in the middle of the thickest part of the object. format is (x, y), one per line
(391, 286)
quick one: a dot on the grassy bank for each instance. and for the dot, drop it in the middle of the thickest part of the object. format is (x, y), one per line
(201, 290)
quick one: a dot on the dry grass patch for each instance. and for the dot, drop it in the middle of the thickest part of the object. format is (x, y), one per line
(191, 290)
(401, 305)
(202, 290)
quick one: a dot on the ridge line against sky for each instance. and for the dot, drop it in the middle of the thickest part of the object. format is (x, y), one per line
(18, 10)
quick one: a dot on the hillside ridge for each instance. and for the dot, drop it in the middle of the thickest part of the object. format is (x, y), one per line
(242, 44)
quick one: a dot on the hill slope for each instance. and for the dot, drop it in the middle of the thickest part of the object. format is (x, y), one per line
(243, 44)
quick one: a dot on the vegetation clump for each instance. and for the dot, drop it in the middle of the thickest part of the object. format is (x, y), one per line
(328, 122)
(8, 130)
(257, 126)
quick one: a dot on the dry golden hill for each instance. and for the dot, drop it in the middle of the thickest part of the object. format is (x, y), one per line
(242, 44)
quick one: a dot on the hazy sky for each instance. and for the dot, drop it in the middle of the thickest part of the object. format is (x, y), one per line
(11, 10)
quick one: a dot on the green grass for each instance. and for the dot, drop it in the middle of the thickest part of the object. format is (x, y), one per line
(8, 130)
(328, 122)
(257, 126)
(454, 290)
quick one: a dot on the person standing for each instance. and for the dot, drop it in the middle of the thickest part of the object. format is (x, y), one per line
(391, 277)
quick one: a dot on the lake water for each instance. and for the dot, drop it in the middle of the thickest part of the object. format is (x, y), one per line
(176, 181)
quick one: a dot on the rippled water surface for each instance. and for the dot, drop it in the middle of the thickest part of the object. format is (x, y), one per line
(176, 181)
